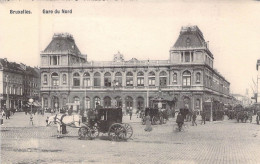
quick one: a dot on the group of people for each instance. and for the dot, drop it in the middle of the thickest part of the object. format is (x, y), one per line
(179, 120)
(7, 113)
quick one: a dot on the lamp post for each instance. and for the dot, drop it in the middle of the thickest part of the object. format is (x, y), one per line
(211, 108)
(147, 102)
(31, 101)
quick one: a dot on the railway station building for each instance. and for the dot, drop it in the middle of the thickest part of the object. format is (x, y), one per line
(188, 76)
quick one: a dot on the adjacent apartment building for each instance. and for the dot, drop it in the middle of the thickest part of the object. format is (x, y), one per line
(18, 83)
(67, 76)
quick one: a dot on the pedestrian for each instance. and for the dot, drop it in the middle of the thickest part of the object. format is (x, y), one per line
(148, 125)
(203, 117)
(130, 114)
(194, 116)
(180, 120)
(31, 119)
(47, 120)
(7, 114)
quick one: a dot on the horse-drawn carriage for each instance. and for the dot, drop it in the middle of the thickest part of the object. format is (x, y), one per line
(107, 120)
(157, 117)
(243, 114)
(217, 110)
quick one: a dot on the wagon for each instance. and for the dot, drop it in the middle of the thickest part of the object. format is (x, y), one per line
(155, 115)
(107, 120)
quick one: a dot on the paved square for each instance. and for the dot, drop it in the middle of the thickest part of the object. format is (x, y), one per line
(219, 142)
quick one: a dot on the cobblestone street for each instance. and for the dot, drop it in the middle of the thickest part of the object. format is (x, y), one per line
(219, 142)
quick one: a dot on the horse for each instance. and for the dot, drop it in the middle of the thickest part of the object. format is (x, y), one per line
(63, 120)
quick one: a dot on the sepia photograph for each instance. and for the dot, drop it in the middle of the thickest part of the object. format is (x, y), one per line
(129, 81)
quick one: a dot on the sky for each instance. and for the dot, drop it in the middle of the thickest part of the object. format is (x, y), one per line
(138, 29)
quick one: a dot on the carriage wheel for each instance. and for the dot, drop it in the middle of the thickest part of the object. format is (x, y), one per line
(155, 120)
(117, 132)
(129, 131)
(93, 132)
(82, 132)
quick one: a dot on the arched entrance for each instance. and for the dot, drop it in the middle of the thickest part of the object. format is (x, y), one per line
(55, 102)
(129, 104)
(118, 102)
(107, 102)
(187, 102)
(140, 103)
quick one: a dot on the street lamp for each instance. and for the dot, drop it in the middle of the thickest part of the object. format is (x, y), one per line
(31, 102)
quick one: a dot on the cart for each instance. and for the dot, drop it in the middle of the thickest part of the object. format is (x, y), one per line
(155, 115)
(106, 120)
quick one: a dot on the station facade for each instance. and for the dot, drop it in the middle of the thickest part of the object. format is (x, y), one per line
(187, 76)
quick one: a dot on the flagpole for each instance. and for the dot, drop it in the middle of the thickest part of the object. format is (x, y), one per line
(147, 98)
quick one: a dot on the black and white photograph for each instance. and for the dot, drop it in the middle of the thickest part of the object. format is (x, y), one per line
(130, 81)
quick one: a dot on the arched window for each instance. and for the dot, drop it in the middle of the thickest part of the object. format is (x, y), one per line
(175, 78)
(107, 79)
(64, 79)
(140, 79)
(163, 78)
(55, 79)
(107, 102)
(129, 79)
(86, 79)
(45, 79)
(96, 100)
(151, 79)
(76, 79)
(186, 78)
(118, 79)
(97, 81)
(198, 77)
(87, 102)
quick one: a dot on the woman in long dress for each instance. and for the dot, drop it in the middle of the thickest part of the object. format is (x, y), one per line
(148, 126)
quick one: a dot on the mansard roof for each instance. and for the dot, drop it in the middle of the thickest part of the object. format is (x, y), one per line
(62, 43)
(18, 68)
(190, 36)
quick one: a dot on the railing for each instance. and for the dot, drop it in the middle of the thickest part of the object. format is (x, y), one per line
(104, 88)
(123, 63)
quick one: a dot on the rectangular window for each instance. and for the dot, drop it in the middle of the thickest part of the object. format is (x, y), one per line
(76, 82)
(186, 81)
(129, 81)
(86, 82)
(181, 56)
(55, 82)
(192, 56)
(118, 81)
(151, 81)
(140, 81)
(163, 81)
(187, 56)
(97, 82)
(107, 82)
